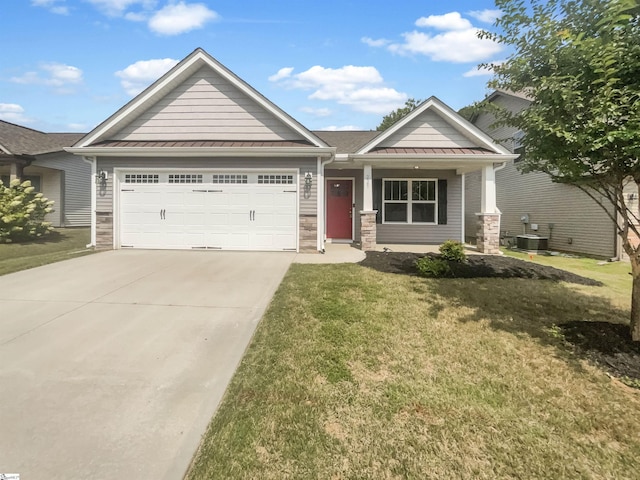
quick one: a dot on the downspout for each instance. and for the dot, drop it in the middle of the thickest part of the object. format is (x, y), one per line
(321, 201)
(94, 199)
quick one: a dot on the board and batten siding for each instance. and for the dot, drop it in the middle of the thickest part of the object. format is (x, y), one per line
(105, 204)
(571, 219)
(76, 187)
(206, 107)
(428, 130)
(425, 234)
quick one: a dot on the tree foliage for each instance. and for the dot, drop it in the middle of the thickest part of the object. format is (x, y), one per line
(579, 63)
(22, 212)
(388, 120)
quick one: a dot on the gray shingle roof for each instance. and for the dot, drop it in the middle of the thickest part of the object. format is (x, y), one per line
(18, 140)
(348, 141)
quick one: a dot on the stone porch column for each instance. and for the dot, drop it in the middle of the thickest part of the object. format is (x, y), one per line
(367, 214)
(488, 226)
(368, 230)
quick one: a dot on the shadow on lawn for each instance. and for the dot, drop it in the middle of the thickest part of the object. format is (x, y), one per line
(578, 324)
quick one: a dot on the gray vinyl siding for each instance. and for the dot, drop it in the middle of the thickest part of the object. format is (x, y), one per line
(426, 234)
(428, 130)
(578, 223)
(206, 107)
(308, 200)
(75, 179)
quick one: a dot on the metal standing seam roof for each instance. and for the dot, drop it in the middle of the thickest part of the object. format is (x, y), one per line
(200, 143)
(432, 151)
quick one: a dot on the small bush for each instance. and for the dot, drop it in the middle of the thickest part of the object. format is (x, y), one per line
(453, 251)
(433, 267)
(22, 212)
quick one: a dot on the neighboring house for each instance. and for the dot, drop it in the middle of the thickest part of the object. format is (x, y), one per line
(32, 155)
(571, 220)
(201, 160)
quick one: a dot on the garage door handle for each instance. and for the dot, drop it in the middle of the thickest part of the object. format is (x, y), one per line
(163, 214)
(252, 215)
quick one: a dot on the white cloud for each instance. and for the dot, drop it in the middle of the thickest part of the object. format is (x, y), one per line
(317, 112)
(77, 127)
(456, 46)
(281, 74)
(448, 21)
(138, 76)
(455, 39)
(486, 16)
(136, 16)
(12, 112)
(54, 6)
(342, 128)
(360, 88)
(381, 42)
(58, 75)
(177, 18)
(481, 71)
(117, 8)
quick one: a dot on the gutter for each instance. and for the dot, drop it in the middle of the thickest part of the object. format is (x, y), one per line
(202, 151)
(321, 200)
(94, 200)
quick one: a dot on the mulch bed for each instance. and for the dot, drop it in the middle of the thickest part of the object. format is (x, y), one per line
(605, 344)
(476, 266)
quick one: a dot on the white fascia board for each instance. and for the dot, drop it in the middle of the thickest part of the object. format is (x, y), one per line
(490, 158)
(198, 57)
(201, 152)
(395, 127)
(446, 111)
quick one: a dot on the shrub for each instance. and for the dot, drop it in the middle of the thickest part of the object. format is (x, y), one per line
(453, 251)
(22, 212)
(433, 267)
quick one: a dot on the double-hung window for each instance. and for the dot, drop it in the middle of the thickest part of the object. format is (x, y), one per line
(409, 200)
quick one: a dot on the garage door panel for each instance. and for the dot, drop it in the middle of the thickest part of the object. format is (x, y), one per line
(234, 216)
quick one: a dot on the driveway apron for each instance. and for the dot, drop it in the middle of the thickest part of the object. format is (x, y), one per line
(111, 365)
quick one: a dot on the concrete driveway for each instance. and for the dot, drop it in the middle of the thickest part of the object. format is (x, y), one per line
(112, 365)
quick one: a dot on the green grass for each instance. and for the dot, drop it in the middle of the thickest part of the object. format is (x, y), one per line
(359, 374)
(62, 244)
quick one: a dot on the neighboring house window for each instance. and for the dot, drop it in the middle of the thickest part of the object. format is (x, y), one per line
(518, 147)
(34, 179)
(409, 200)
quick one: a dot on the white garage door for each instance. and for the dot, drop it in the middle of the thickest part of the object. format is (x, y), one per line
(229, 211)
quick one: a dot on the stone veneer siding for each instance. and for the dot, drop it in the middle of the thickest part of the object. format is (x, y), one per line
(368, 230)
(308, 233)
(488, 233)
(104, 230)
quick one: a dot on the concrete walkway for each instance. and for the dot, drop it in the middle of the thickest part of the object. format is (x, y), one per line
(113, 364)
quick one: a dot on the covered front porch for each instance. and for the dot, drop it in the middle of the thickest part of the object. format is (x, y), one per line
(397, 203)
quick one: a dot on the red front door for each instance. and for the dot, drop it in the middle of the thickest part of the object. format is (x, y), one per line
(339, 208)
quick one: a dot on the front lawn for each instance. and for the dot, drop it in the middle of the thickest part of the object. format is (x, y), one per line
(356, 373)
(61, 244)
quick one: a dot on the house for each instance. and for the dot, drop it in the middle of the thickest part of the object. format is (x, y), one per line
(201, 160)
(32, 155)
(532, 204)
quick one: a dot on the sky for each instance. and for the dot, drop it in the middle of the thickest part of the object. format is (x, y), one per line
(67, 65)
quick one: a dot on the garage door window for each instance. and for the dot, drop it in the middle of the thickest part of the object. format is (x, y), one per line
(141, 178)
(275, 179)
(185, 178)
(229, 178)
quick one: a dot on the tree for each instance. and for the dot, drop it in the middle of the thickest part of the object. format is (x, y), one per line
(579, 63)
(388, 120)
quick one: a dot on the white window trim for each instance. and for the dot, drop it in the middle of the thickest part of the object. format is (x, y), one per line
(410, 201)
